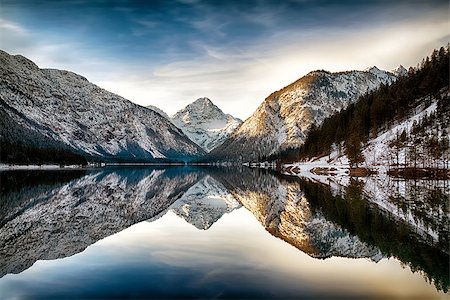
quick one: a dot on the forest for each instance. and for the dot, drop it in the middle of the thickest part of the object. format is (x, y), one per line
(20, 145)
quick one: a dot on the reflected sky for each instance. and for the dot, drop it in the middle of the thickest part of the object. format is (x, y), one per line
(235, 258)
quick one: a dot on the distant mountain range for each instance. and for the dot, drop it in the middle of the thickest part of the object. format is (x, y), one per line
(67, 109)
(55, 109)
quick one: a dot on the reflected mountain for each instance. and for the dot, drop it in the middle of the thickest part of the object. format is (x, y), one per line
(406, 219)
(422, 205)
(282, 208)
(59, 219)
(205, 203)
(22, 189)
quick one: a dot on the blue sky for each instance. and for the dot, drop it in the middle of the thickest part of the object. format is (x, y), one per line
(168, 53)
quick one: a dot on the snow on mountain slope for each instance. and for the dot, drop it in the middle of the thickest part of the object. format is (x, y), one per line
(159, 111)
(67, 108)
(407, 142)
(384, 150)
(205, 203)
(283, 119)
(205, 124)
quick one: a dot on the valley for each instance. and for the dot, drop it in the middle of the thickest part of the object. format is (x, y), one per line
(328, 121)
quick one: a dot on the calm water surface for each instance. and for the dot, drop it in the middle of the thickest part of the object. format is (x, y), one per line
(220, 233)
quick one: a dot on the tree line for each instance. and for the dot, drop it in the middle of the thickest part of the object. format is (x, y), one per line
(20, 145)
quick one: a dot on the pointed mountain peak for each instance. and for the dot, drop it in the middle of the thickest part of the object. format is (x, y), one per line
(202, 106)
(373, 69)
(399, 71)
(204, 101)
(205, 124)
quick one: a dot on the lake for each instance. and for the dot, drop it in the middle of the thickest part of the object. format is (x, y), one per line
(188, 232)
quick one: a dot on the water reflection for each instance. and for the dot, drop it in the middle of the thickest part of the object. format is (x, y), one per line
(54, 220)
(282, 208)
(54, 216)
(205, 203)
(405, 230)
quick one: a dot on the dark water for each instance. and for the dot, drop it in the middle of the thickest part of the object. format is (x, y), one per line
(220, 233)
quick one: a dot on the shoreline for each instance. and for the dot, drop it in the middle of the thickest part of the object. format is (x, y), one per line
(366, 171)
(307, 169)
(5, 167)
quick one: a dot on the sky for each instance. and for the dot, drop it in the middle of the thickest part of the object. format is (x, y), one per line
(169, 53)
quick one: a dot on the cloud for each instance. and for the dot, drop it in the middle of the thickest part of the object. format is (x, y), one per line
(10, 26)
(236, 56)
(238, 79)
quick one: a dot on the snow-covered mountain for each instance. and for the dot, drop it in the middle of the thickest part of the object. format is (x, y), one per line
(67, 108)
(283, 119)
(205, 124)
(205, 203)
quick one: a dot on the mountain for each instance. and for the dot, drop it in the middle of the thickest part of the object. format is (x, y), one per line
(205, 124)
(22, 145)
(283, 210)
(284, 118)
(405, 124)
(67, 109)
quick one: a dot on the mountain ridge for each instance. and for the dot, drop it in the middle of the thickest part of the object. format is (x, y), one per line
(67, 108)
(283, 119)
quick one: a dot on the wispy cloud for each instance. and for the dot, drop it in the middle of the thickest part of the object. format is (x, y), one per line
(239, 79)
(168, 54)
(10, 26)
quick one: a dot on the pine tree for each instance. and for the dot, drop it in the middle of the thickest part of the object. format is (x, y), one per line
(353, 150)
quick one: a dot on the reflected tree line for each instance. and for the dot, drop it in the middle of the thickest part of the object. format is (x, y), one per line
(358, 215)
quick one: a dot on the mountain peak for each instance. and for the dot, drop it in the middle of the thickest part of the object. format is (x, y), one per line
(203, 101)
(109, 127)
(205, 123)
(203, 105)
(399, 71)
(283, 119)
(372, 69)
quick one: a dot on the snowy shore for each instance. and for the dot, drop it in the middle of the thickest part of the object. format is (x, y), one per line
(6, 167)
